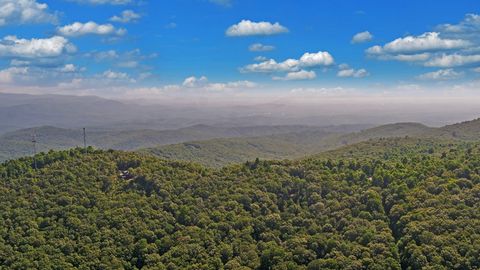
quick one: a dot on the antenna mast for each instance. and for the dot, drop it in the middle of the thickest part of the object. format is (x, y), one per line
(85, 140)
(34, 141)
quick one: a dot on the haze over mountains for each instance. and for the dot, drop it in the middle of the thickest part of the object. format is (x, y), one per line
(210, 134)
(19, 111)
(212, 145)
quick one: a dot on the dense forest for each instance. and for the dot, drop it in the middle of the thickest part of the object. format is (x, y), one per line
(382, 204)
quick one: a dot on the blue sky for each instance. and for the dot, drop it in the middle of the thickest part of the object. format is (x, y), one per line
(150, 49)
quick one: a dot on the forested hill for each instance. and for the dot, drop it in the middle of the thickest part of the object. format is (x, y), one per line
(18, 143)
(409, 204)
(220, 152)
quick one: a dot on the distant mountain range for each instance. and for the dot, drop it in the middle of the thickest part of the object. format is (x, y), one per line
(214, 136)
(219, 152)
(19, 111)
(218, 146)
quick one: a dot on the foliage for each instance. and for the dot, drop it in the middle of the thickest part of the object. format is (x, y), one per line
(383, 204)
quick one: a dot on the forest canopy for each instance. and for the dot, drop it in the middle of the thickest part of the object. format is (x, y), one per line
(382, 204)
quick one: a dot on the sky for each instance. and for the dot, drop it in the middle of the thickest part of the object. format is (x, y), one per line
(194, 50)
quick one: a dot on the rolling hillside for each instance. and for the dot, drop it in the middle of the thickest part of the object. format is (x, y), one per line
(220, 152)
(218, 146)
(18, 143)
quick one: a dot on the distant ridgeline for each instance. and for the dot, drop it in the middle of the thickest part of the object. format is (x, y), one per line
(219, 146)
(382, 204)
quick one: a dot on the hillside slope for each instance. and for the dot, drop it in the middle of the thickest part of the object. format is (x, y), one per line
(220, 152)
(417, 209)
(18, 143)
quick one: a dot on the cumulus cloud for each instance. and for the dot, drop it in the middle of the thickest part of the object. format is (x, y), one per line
(316, 59)
(430, 41)
(271, 65)
(362, 37)
(11, 46)
(290, 65)
(24, 12)
(203, 83)
(419, 57)
(115, 75)
(453, 60)
(69, 68)
(249, 28)
(442, 74)
(90, 28)
(126, 17)
(9, 75)
(347, 72)
(194, 81)
(467, 28)
(450, 45)
(258, 47)
(298, 75)
(111, 75)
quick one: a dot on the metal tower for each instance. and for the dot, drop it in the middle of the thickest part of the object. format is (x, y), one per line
(34, 142)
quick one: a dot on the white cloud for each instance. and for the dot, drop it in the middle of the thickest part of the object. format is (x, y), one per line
(430, 41)
(202, 83)
(129, 59)
(116, 76)
(442, 74)
(468, 26)
(477, 69)
(361, 73)
(362, 37)
(69, 68)
(260, 58)
(406, 57)
(258, 47)
(272, 66)
(194, 81)
(8, 75)
(103, 2)
(103, 55)
(79, 29)
(24, 12)
(298, 75)
(11, 46)
(316, 59)
(249, 28)
(345, 72)
(126, 17)
(290, 65)
(453, 60)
